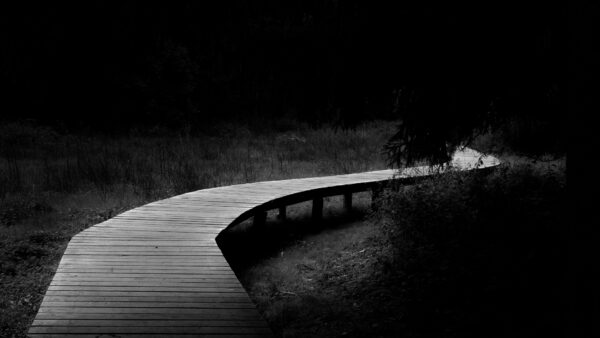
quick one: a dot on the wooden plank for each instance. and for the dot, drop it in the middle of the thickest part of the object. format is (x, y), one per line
(133, 264)
(139, 294)
(131, 282)
(232, 314)
(213, 298)
(130, 279)
(160, 269)
(137, 260)
(168, 274)
(157, 269)
(141, 322)
(150, 330)
(155, 242)
(205, 279)
(146, 310)
(146, 335)
(141, 281)
(139, 253)
(176, 288)
(189, 305)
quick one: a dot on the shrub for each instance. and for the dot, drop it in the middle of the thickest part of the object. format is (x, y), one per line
(479, 254)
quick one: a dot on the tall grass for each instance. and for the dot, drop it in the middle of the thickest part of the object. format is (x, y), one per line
(34, 160)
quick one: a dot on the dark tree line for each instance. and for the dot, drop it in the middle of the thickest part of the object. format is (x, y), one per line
(443, 69)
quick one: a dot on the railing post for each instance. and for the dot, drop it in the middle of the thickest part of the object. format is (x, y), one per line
(375, 194)
(348, 201)
(260, 218)
(282, 213)
(317, 209)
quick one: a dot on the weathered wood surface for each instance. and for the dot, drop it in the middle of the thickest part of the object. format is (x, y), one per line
(156, 271)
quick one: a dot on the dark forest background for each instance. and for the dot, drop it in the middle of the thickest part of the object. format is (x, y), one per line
(104, 66)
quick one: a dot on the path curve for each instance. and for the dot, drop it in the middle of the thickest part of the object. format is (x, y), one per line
(156, 270)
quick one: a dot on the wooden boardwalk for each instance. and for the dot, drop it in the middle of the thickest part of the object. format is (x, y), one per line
(156, 271)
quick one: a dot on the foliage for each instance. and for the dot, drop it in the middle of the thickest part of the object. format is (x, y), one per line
(104, 65)
(477, 255)
(436, 121)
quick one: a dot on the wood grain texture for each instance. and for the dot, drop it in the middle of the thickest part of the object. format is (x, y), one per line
(156, 271)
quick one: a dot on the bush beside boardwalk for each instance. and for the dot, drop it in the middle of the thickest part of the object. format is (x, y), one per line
(462, 254)
(480, 255)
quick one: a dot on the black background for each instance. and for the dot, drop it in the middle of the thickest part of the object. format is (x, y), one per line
(110, 66)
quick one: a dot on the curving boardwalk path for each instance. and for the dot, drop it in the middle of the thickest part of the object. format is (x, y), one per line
(156, 271)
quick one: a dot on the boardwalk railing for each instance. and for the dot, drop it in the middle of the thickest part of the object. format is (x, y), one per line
(156, 271)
